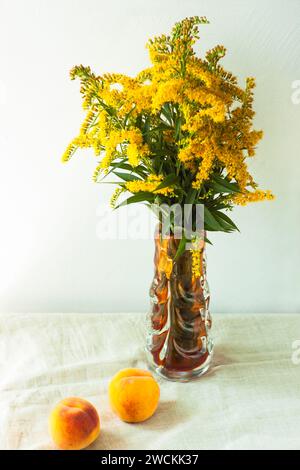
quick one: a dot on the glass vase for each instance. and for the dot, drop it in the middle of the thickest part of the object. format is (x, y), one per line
(179, 346)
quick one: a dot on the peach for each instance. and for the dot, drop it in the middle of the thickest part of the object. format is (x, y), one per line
(74, 424)
(134, 395)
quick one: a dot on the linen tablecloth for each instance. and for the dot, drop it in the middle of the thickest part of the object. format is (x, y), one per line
(249, 400)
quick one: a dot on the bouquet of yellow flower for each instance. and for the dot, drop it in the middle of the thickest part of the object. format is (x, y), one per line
(179, 133)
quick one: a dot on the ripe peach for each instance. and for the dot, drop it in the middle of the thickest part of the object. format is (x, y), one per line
(74, 424)
(134, 395)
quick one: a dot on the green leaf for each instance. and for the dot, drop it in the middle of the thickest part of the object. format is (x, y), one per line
(112, 166)
(190, 199)
(222, 185)
(126, 176)
(139, 170)
(146, 130)
(191, 196)
(124, 166)
(218, 188)
(165, 110)
(138, 197)
(217, 205)
(210, 222)
(128, 116)
(226, 219)
(177, 128)
(207, 241)
(181, 247)
(170, 180)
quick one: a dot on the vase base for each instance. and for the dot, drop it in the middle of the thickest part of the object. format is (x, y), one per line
(178, 375)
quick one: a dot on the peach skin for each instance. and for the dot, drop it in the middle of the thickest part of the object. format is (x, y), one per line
(74, 424)
(134, 395)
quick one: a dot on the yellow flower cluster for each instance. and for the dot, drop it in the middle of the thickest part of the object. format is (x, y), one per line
(196, 263)
(150, 185)
(111, 143)
(115, 196)
(184, 115)
(255, 196)
(135, 149)
(118, 140)
(168, 91)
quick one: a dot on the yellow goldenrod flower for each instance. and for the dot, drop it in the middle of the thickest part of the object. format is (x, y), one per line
(117, 192)
(133, 154)
(149, 185)
(196, 263)
(183, 116)
(255, 196)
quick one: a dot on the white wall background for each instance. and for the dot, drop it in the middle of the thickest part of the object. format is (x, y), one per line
(50, 256)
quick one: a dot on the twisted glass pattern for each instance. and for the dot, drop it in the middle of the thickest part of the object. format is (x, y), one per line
(179, 346)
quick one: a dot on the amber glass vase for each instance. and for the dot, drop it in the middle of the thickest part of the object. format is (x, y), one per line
(178, 345)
